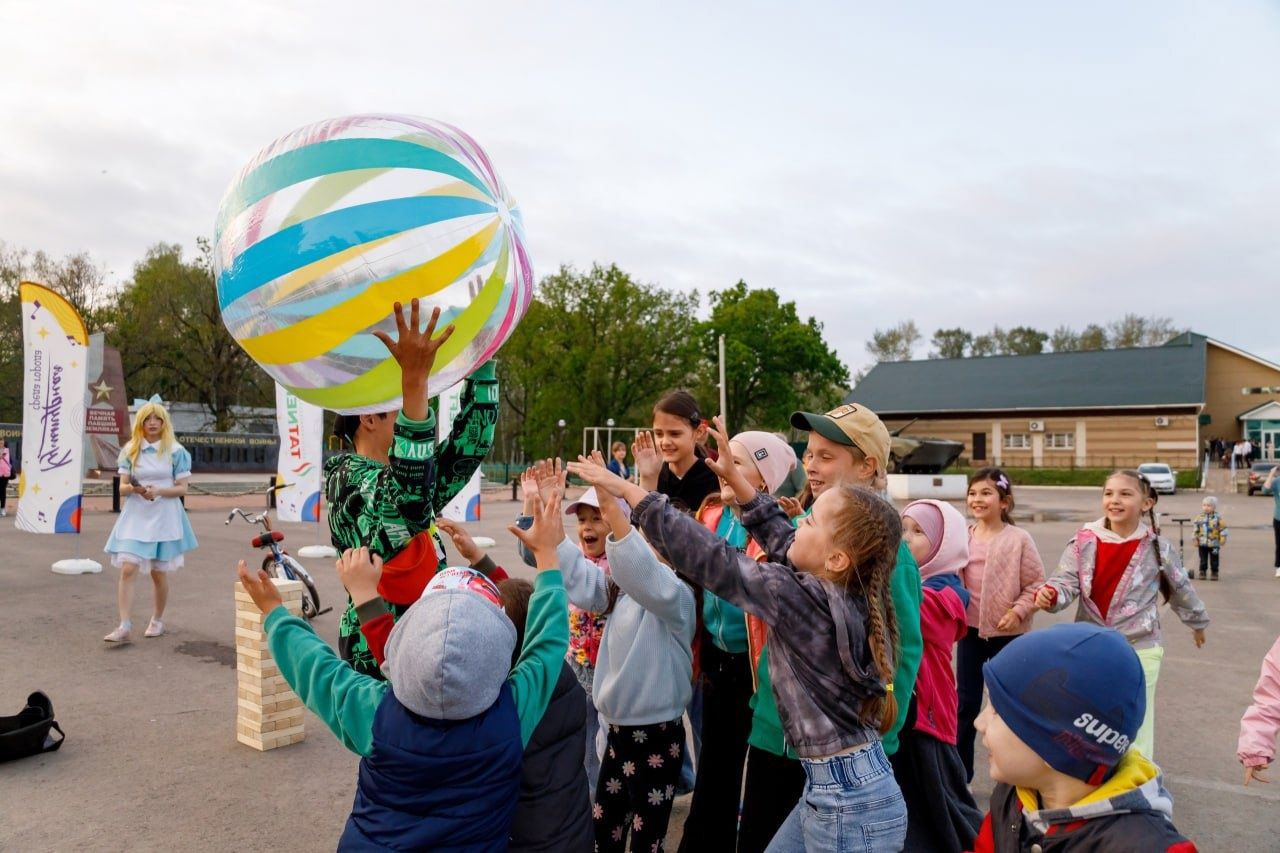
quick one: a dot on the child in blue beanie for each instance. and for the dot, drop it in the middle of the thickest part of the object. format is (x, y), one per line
(1066, 704)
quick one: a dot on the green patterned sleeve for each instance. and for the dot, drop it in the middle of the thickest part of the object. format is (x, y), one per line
(405, 485)
(470, 438)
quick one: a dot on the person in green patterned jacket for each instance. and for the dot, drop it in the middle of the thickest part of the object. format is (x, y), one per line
(386, 494)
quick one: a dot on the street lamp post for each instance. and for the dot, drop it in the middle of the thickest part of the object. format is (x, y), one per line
(608, 444)
(560, 425)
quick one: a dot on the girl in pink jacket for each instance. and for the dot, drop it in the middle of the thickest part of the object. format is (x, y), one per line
(941, 813)
(1002, 576)
(1261, 721)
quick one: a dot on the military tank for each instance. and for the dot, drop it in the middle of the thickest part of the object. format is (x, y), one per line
(921, 455)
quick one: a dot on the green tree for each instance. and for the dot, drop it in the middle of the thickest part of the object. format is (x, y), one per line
(897, 343)
(1024, 340)
(1064, 339)
(1092, 337)
(593, 346)
(988, 344)
(169, 331)
(775, 362)
(951, 343)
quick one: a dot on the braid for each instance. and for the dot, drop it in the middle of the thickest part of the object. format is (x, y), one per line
(870, 532)
(883, 638)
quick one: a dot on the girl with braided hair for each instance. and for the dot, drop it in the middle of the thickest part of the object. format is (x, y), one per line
(832, 631)
(1120, 568)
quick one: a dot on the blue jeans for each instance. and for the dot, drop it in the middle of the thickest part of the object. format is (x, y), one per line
(850, 802)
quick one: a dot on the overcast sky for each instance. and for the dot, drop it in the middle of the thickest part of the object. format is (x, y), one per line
(955, 163)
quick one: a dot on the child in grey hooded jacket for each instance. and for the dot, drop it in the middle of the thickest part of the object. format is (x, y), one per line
(643, 680)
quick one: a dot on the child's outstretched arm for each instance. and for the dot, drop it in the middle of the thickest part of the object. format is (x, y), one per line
(329, 687)
(1062, 589)
(680, 540)
(468, 550)
(768, 524)
(1261, 722)
(1184, 600)
(542, 479)
(546, 639)
(470, 438)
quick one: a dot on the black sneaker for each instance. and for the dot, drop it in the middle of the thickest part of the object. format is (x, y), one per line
(1202, 576)
(1215, 577)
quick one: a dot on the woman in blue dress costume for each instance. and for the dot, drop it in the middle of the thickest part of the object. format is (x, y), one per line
(152, 533)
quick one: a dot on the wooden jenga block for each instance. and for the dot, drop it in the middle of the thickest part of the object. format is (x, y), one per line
(268, 713)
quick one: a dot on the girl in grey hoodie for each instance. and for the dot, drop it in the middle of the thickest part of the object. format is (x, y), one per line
(643, 680)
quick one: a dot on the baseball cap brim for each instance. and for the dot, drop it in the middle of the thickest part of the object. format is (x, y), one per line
(823, 426)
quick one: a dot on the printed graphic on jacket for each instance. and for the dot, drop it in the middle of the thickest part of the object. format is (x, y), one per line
(384, 507)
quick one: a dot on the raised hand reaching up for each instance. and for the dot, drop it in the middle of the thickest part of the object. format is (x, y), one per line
(415, 352)
(545, 534)
(648, 461)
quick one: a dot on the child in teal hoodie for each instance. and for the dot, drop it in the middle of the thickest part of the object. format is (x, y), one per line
(440, 744)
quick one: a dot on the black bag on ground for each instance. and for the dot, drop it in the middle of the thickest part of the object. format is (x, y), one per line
(27, 733)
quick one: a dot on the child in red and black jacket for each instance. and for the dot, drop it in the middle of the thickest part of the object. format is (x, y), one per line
(385, 495)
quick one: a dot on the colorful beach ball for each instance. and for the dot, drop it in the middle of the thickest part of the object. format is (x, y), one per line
(327, 227)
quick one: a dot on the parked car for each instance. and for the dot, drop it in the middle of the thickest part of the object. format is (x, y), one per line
(1258, 475)
(1163, 479)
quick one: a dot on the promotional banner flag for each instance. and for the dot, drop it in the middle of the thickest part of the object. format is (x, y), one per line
(107, 411)
(56, 349)
(465, 505)
(301, 427)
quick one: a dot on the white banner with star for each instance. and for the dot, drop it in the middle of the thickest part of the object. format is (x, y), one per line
(55, 345)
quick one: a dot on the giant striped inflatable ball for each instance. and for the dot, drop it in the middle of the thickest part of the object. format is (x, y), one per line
(327, 227)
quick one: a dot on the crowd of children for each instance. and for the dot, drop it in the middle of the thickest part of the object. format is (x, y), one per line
(817, 635)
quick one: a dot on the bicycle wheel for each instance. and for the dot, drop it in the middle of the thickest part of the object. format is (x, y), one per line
(310, 601)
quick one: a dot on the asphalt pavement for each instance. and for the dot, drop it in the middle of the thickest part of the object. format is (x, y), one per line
(151, 761)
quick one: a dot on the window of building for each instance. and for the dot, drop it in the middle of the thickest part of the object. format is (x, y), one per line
(1017, 441)
(1060, 440)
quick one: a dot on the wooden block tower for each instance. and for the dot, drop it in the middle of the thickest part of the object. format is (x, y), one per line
(269, 714)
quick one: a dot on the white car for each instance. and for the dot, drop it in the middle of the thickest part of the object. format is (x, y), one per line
(1162, 478)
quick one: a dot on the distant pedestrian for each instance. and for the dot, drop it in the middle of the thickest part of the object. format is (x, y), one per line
(6, 473)
(618, 460)
(1210, 535)
(1270, 483)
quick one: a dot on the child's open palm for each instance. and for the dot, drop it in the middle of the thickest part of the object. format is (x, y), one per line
(260, 588)
(467, 547)
(648, 462)
(414, 350)
(545, 534)
(360, 572)
(594, 472)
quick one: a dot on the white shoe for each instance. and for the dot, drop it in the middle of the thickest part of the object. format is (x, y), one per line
(154, 629)
(4, 513)
(119, 635)
(1278, 571)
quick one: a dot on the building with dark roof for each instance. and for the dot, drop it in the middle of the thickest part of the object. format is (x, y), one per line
(1103, 408)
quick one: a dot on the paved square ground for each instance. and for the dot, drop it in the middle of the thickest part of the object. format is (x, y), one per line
(151, 761)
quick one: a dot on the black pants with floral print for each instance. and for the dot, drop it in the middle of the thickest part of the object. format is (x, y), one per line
(637, 786)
